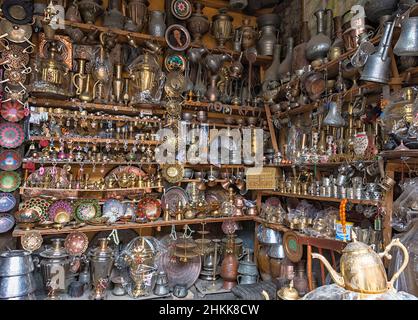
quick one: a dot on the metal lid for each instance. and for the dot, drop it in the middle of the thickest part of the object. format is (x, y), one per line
(102, 250)
(57, 250)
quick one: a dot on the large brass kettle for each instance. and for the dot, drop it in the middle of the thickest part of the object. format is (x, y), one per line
(362, 269)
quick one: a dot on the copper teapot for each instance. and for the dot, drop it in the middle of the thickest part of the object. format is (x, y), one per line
(362, 269)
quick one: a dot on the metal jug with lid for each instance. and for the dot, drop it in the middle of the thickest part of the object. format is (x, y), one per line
(101, 264)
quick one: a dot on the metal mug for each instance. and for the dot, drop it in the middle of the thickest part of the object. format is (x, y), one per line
(387, 183)
(358, 193)
(350, 193)
(341, 180)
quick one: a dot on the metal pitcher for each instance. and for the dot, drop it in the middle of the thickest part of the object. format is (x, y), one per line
(407, 44)
(377, 68)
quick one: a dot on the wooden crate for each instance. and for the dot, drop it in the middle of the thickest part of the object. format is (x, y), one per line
(261, 178)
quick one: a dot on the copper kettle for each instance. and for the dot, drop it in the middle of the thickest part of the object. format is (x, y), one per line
(362, 269)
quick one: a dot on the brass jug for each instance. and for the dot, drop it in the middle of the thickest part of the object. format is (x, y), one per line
(362, 269)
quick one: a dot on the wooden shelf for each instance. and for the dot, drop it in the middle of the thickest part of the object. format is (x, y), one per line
(334, 63)
(348, 95)
(94, 140)
(318, 165)
(142, 37)
(131, 225)
(324, 243)
(146, 108)
(318, 198)
(105, 117)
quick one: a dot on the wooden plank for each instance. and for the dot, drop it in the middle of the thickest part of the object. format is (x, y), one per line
(93, 140)
(317, 198)
(309, 267)
(123, 226)
(322, 267)
(272, 129)
(387, 217)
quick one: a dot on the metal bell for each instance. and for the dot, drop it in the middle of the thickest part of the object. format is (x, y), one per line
(377, 68)
(334, 118)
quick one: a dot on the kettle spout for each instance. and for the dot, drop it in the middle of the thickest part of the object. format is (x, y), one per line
(338, 279)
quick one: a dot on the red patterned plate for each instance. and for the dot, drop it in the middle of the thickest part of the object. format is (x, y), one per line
(10, 160)
(11, 135)
(12, 111)
(150, 208)
(76, 243)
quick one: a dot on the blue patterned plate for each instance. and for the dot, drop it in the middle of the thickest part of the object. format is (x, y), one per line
(7, 202)
(113, 209)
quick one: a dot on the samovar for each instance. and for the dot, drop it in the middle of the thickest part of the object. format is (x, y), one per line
(146, 74)
(198, 24)
(52, 260)
(101, 262)
(51, 75)
(222, 28)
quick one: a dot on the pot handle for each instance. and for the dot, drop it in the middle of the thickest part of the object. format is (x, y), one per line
(239, 278)
(396, 243)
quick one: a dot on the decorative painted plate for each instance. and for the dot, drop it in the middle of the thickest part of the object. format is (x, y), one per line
(181, 9)
(9, 181)
(150, 208)
(40, 205)
(7, 221)
(172, 197)
(11, 135)
(85, 210)
(7, 202)
(31, 241)
(10, 160)
(292, 248)
(76, 243)
(113, 209)
(60, 209)
(12, 111)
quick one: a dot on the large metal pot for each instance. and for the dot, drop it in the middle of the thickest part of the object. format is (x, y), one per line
(268, 236)
(15, 263)
(17, 286)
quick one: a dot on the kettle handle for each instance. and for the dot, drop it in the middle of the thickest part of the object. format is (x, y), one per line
(396, 243)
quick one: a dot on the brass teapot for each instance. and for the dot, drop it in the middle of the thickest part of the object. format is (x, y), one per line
(362, 269)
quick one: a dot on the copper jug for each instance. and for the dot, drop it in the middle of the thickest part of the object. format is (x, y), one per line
(229, 269)
(248, 34)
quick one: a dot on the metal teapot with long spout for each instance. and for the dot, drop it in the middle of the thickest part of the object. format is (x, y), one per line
(362, 269)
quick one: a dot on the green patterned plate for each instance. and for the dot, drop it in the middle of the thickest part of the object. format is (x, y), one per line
(9, 181)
